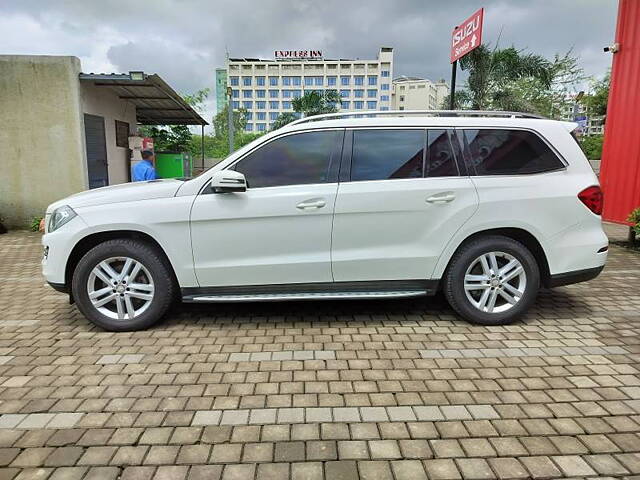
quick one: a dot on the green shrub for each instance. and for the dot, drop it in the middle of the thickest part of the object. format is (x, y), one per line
(592, 146)
(35, 224)
(634, 217)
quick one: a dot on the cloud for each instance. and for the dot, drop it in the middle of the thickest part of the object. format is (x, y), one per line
(185, 41)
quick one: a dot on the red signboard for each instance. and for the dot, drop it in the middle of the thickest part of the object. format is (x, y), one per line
(467, 36)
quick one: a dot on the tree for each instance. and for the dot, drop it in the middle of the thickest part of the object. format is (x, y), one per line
(283, 119)
(596, 100)
(492, 74)
(317, 103)
(175, 138)
(221, 121)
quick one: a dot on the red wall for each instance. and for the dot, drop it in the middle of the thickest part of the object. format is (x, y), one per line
(620, 169)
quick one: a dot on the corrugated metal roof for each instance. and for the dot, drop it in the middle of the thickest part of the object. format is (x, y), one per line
(620, 169)
(156, 102)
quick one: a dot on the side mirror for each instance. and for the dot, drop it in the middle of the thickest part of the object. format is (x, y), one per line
(228, 181)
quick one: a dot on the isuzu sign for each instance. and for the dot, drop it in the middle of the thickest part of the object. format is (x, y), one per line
(467, 36)
(298, 54)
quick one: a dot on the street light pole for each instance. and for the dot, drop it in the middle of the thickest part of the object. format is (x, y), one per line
(230, 119)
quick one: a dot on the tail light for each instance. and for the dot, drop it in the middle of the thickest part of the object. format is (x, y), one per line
(593, 199)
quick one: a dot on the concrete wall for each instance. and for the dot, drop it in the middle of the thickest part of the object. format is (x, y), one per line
(41, 135)
(101, 101)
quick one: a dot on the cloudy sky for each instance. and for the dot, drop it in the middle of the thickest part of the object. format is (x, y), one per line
(185, 40)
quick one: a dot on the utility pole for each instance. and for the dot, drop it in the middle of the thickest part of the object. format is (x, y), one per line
(452, 95)
(230, 119)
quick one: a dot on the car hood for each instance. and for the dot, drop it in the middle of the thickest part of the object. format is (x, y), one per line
(125, 192)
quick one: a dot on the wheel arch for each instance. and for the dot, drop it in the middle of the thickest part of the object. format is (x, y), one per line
(88, 242)
(520, 235)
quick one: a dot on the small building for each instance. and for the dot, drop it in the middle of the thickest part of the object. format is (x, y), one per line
(416, 93)
(63, 131)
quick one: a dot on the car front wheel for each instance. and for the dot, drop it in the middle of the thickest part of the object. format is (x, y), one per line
(123, 285)
(492, 280)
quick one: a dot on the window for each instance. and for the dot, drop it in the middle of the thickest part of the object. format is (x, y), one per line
(235, 105)
(296, 93)
(345, 105)
(273, 81)
(371, 105)
(273, 93)
(292, 160)
(401, 107)
(440, 161)
(235, 93)
(286, 81)
(262, 127)
(344, 80)
(261, 105)
(261, 93)
(385, 73)
(274, 105)
(260, 81)
(385, 86)
(122, 134)
(286, 105)
(248, 105)
(296, 81)
(384, 98)
(308, 81)
(247, 94)
(235, 81)
(387, 154)
(273, 116)
(358, 105)
(358, 93)
(344, 93)
(509, 152)
(372, 93)
(318, 81)
(248, 127)
(373, 80)
(286, 94)
(402, 98)
(359, 79)
(331, 81)
(246, 81)
(261, 116)
(384, 109)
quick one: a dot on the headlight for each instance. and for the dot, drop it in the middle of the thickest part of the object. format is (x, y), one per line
(60, 216)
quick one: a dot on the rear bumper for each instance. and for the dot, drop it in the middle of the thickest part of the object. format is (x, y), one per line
(576, 276)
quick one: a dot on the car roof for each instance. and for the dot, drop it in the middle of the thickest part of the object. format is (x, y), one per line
(428, 121)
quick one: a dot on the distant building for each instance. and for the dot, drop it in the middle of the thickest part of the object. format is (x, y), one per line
(266, 88)
(415, 93)
(221, 89)
(573, 111)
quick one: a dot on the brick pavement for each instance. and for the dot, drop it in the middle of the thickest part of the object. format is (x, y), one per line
(337, 390)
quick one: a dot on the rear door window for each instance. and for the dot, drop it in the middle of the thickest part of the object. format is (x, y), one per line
(387, 154)
(509, 152)
(440, 161)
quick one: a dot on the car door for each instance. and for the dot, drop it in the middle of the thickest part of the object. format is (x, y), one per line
(279, 230)
(401, 198)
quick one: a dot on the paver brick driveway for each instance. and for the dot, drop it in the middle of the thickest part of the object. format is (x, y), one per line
(377, 390)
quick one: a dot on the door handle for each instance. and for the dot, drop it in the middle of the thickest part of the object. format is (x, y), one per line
(444, 197)
(314, 203)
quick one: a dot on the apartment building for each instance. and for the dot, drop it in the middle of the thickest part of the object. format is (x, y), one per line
(575, 111)
(415, 93)
(266, 88)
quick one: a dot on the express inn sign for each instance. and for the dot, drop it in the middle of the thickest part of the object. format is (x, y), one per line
(467, 36)
(298, 54)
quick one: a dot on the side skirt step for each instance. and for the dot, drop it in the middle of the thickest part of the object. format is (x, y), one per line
(280, 297)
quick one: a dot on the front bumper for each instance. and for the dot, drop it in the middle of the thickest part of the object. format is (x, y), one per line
(58, 246)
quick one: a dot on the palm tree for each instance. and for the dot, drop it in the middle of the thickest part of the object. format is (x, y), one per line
(317, 102)
(311, 103)
(491, 72)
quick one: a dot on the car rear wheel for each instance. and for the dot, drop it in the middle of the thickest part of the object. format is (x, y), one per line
(492, 280)
(123, 285)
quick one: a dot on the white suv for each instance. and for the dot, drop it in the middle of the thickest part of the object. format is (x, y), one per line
(486, 207)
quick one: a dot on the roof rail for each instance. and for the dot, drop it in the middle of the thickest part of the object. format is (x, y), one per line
(430, 113)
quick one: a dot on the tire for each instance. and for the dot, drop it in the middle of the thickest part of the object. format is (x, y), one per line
(468, 302)
(149, 290)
